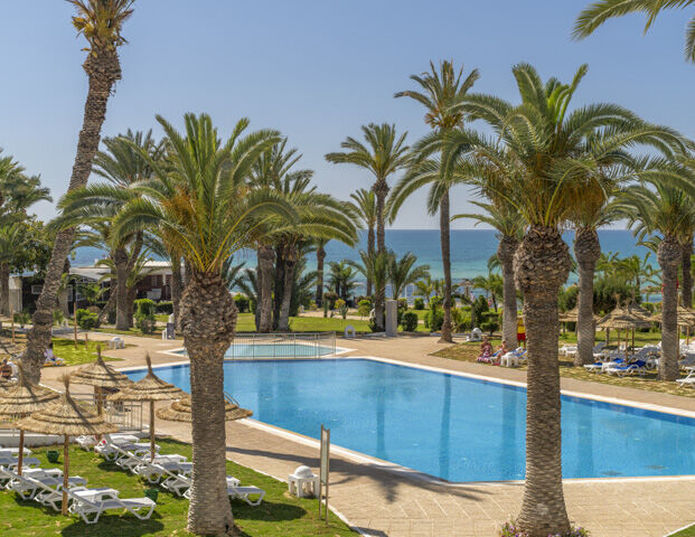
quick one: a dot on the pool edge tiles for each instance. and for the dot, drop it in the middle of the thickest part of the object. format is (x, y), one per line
(387, 460)
(180, 352)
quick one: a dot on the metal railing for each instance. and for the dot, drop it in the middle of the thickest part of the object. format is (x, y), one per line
(282, 345)
(128, 415)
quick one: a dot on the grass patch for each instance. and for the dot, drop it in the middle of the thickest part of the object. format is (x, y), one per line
(687, 532)
(157, 334)
(469, 352)
(82, 354)
(326, 324)
(278, 515)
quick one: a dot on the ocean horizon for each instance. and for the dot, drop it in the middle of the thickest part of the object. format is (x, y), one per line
(470, 250)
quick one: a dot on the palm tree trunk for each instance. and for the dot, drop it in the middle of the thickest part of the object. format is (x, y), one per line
(320, 257)
(208, 316)
(381, 190)
(687, 286)
(120, 259)
(103, 69)
(445, 239)
(505, 253)
(288, 281)
(259, 291)
(110, 303)
(130, 304)
(370, 252)
(587, 250)
(669, 255)
(542, 264)
(5, 289)
(176, 288)
(266, 256)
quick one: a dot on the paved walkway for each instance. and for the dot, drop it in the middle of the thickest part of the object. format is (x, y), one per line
(381, 502)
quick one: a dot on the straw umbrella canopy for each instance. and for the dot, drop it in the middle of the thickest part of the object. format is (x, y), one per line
(99, 375)
(152, 389)
(572, 315)
(181, 411)
(21, 400)
(66, 417)
(624, 319)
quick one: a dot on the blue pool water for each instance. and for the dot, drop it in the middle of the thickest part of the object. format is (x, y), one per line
(274, 350)
(453, 427)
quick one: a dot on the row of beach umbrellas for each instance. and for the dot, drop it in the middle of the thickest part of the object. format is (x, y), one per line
(43, 410)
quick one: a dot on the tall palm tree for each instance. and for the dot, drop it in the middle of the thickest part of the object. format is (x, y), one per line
(509, 224)
(320, 260)
(601, 10)
(402, 272)
(384, 155)
(553, 149)
(364, 204)
(440, 89)
(663, 205)
(199, 203)
(100, 22)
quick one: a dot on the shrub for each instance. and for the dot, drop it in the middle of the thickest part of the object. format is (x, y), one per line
(242, 303)
(419, 304)
(21, 318)
(490, 322)
(144, 315)
(58, 317)
(409, 321)
(164, 307)
(364, 306)
(329, 298)
(478, 307)
(86, 320)
(461, 319)
(342, 307)
(434, 319)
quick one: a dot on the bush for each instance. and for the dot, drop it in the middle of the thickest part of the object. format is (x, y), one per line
(144, 315)
(329, 298)
(419, 304)
(364, 306)
(409, 321)
(242, 303)
(58, 317)
(342, 307)
(478, 307)
(490, 322)
(86, 320)
(434, 319)
(164, 307)
(21, 318)
(461, 319)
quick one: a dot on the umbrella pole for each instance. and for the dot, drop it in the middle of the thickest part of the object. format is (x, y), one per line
(151, 431)
(20, 457)
(66, 469)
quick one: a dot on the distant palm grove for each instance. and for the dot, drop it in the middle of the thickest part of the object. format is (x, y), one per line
(194, 195)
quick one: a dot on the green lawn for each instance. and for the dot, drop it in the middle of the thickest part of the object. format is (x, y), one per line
(280, 515)
(687, 532)
(83, 354)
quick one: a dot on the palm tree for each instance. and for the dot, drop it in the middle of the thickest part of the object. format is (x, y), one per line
(424, 287)
(199, 205)
(509, 224)
(100, 22)
(341, 278)
(384, 154)
(440, 90)
(402, 272)
(554, 151)
(493, 286)
(663, 205)
(600, 11)
(364, 204)
(320, 259)
(124, 163)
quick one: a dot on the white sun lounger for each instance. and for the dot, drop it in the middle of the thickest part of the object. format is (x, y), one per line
(161, 467)
(129, 459)
(689, 380)
(243, 493)
(30, 484)
(91, 503)
(232, 483)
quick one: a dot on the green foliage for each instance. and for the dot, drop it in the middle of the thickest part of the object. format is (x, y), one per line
(58, 317)
(242, 303)
(409, 321)
(434, 319)
(86, 320)
(341, 306)
(21, 318)
(364, 307)
(490, 322)
(145, 319)
(329, 299)
(478, 307)
(419, 304)
(567, 298)
(461, 319)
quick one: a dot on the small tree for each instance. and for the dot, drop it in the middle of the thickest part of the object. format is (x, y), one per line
(409, 321)
(144, 315)
(86, 319)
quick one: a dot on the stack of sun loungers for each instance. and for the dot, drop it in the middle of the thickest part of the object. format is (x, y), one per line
(171, 472)
(44, 485)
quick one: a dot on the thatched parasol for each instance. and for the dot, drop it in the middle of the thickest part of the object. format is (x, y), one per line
(99, 375)
(66, 417)
(572, 316)
(151, 388)
(20, 401)
(181, 411)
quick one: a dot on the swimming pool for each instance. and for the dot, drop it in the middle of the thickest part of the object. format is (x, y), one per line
(453, 427)
(273, 350)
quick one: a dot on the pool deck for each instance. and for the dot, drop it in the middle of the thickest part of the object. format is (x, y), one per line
(381, 502)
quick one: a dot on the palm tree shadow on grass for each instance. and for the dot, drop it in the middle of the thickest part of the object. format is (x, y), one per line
(115, 526)
(269, 511)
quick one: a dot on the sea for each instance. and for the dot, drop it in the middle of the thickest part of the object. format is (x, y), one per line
(470, 250)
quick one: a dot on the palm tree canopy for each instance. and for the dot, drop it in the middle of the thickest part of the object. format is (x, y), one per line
(101, 21)
(384, 153)
(364, 206)
(503, 218)
(600, 11)
(198, 201)
(403, 271)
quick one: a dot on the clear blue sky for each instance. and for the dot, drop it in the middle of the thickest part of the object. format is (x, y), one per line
(317, 70)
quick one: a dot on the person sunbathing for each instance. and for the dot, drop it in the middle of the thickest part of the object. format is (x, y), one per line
(51, 359)
(485, 351)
